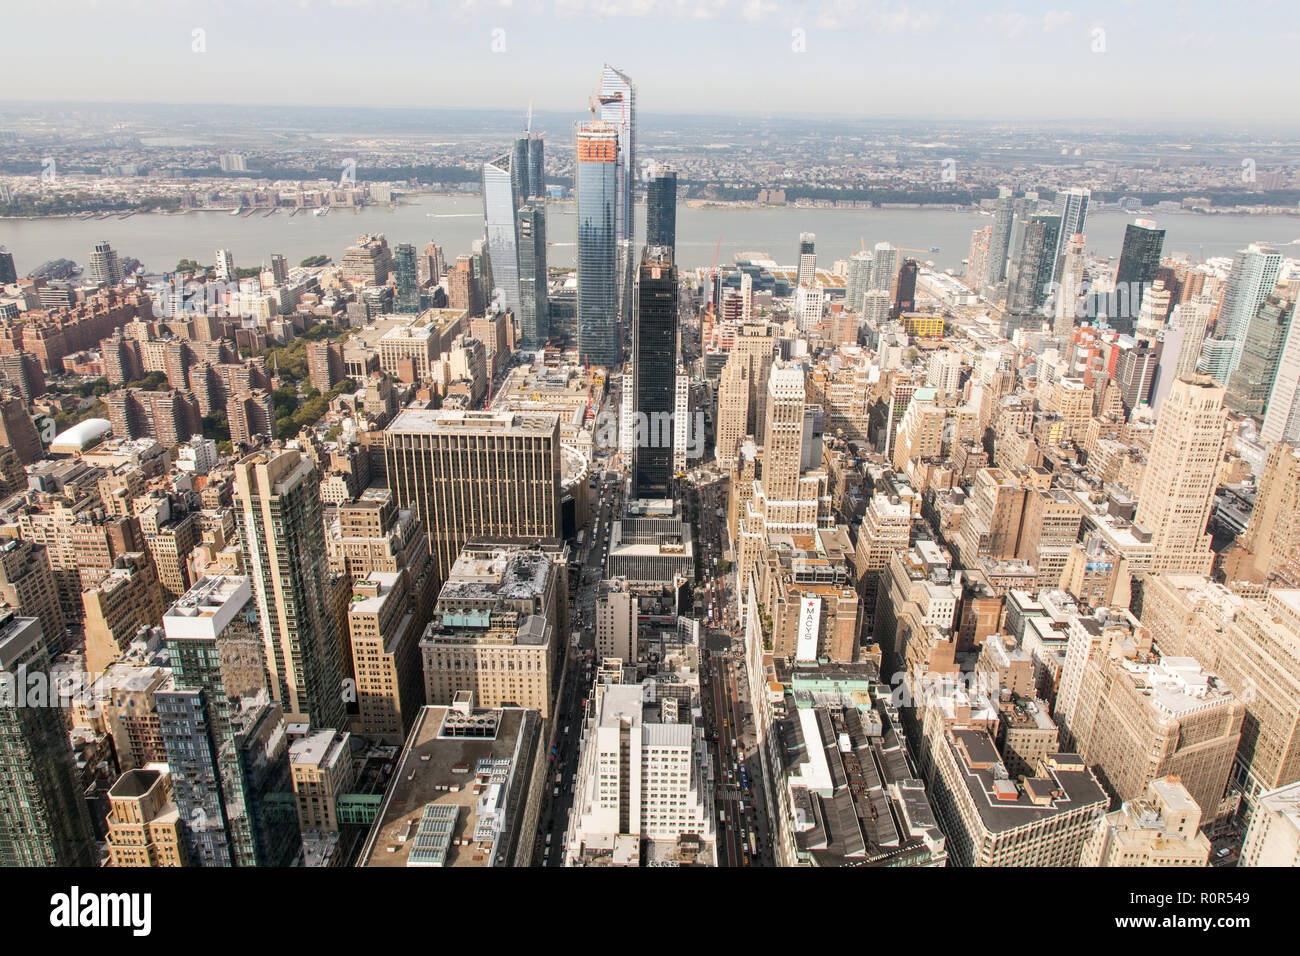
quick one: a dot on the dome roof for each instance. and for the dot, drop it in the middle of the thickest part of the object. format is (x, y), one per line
(84, 433)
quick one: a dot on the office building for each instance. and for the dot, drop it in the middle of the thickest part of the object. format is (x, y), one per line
(45, 821)
(1252, 381)
(654, 365)
(1139, 261)
(468, 474)
(536, 168)
(1072, 209)
(1254, 273)
(407, 298)
(1029, 277)
(617, 611)
(1181, 475)
(281, 525)
(661, 206)
(642, 789)
(322, 769)
(1161, 829)
(384, 633)
(598, 177)
(501, 219)
(369, 261)
(466, 790)
(807, 269)
(534, 305)
(497, 628)
(1000, 239)
(1282, 412)
(617, 100)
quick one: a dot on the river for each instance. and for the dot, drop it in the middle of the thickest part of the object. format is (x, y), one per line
(454, 222)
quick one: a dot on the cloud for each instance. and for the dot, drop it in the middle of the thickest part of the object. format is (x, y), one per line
(874, 17)
(1056, 18)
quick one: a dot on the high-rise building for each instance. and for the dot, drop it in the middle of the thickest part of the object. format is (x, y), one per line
(733, 409)
(384, 634)
(407, 300)
(617, 613)
(125, 600)
(976, 258)
(661, 206)
(225, 739)
(279, 270)
(1070, 283)
(225, 265)
(884, 268)
(534, 304)
(7, 272)
(497, 626)
(501, 217)
(1141, 715)
(1135, 373)
(1272, 534)
(807, 273)
(468, 474)
(536, 168)
(858, 281)
(617, 98)
(1000, 239)
(519, 169)
(1072, 209)
(45, 821)
(1282, 413)
(282, 527)
(1139, 261)
(640, 779)
(27, 586)
(598, 172)
(1250, 384)
(105, 266)
(654, 366)
(1181, 475)
(1033, 266)
(1254, 273)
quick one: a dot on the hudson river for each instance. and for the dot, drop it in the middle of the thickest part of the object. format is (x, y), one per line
(454, 222)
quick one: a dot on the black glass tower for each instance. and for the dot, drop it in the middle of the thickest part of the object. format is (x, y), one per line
(654, 345)
(407, 300)
(536, 169)
(661, 208)
(1139, 260)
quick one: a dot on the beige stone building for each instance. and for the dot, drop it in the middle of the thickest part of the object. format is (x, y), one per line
(144, 827)
(1161, 829)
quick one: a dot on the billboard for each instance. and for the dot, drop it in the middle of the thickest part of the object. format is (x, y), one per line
(810, 617)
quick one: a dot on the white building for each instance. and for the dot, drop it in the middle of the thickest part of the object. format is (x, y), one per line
(1274, 835)
(642, 778)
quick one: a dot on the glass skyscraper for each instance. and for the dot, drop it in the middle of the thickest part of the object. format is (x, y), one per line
(1139, 260)
(536, 169)
(408, 279)
(999, 243)
(661, 207)
(599, 336)
(534, 309)
(617, 99)
(654, 365)
(1254, 273)
(500, 214)
(1027, 292)
(43, 818)
(1072, 209)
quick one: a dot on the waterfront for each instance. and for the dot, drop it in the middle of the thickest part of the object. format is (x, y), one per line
(454, 222)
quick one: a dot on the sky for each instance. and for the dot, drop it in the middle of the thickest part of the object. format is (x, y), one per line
(1126, 59)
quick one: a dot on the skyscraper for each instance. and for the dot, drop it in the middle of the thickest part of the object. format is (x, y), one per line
(105, 266)
(7, 271)
(44, 821)
(1253, 275)
(408, 280)
(654, 349)
(859, 280)
(617, 99)
(225, 265)
(519, 169)
(1072, 209)
(500, 214)
(884, 268)
(1181, 475)
(599, 336)
(807, 259)
(996, 264)
(534, 305)
(536, 169)
(282, 527)
(224, 737)
(475, 473)
(1252, 381)
(1034, 265)
(1139, 261)
(1282, 416)
(661, 206)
